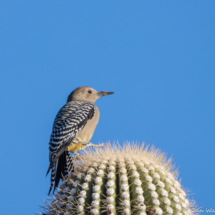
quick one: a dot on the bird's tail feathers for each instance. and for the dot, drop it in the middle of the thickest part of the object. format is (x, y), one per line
(61, 169)
(53, 173)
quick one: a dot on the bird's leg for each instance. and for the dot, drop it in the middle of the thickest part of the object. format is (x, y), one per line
(88, 144)
(95, 145)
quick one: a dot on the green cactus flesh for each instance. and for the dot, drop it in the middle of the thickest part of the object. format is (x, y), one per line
(114, 180)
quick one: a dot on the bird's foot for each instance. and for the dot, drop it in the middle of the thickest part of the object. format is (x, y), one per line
(95, 145)
(100, 145)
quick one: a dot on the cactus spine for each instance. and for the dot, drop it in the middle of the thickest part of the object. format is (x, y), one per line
(128, 180)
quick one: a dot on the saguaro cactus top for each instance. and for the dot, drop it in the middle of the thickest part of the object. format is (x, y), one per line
(128, 180)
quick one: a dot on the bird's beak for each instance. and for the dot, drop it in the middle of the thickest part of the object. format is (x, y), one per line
(104, 93)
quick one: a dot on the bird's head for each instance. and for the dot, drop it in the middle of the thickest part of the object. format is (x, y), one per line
(86, 94)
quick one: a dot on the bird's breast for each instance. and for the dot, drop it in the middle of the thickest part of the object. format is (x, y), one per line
(87, 132)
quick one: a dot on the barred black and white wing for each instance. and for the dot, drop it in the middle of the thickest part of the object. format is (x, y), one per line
(69, 121)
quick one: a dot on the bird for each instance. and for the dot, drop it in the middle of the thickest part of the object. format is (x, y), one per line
(72, 130)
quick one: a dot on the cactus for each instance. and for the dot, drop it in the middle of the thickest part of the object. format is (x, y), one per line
(115, 180)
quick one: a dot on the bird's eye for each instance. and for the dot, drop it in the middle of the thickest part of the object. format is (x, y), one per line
(89, 91)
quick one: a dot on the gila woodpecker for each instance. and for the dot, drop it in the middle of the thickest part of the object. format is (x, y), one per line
(73, 128)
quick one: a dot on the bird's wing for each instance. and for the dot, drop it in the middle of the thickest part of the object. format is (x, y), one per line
(69, 121)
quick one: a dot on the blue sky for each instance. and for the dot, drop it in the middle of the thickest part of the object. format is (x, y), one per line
(158, 58)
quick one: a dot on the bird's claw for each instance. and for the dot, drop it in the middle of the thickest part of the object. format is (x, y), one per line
(95, 145)
(100, 145)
